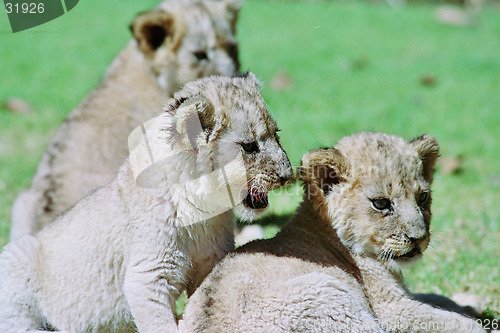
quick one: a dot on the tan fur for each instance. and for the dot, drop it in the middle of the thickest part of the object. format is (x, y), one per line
(334, 267)
(178, 42)
(118, 260)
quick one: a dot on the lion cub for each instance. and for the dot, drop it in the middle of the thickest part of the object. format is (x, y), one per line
(119, 258)
(335, 266)
(180, 41)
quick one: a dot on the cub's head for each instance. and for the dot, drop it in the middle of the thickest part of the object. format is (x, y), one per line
(375, 189)
(227, 123)
(184, 40)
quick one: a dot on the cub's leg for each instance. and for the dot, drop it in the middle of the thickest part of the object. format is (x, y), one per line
(415, 316)
(153, 282)
(447, 304)
(398, 311)
(19, 311)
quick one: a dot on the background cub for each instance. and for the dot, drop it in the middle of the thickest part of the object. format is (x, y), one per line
(119, 258)
(334, 267)
(178, 42)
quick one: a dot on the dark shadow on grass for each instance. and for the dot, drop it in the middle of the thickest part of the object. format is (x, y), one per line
(487, 317)
(270, 219)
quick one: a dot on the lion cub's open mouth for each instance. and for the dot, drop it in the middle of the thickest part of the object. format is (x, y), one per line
(256, 199)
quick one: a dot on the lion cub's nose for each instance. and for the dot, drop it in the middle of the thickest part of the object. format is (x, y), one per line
(417, 231)
(416, 238)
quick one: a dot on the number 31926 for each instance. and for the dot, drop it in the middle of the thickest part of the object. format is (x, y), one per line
(25, 8)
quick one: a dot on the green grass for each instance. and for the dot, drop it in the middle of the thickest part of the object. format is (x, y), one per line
(354, 66)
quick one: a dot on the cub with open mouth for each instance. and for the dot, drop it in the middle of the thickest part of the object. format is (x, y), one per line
(121, 256)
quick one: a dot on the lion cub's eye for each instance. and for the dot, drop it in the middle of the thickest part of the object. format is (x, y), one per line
(423, 197)
(250, 147)
(381, 204)
(201, 55)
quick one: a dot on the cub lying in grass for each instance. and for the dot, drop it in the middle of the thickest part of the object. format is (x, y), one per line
(180, 41)
(334, 267)
(118, 260)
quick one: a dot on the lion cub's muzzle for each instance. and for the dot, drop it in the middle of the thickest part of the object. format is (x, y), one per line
(419, 247)
(260, 186)
(403, 248)
(409, 255)
(256, 199)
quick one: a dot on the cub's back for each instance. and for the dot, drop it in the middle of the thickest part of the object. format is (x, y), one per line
(259, 291)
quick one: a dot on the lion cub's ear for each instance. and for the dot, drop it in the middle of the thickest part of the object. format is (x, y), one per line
(325, 168)
(428, 151)
(228, 9)
(194, 116)
(232, 7)
(151, 30)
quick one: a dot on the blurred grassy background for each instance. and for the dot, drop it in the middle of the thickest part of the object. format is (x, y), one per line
(329, 69)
